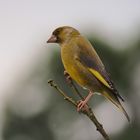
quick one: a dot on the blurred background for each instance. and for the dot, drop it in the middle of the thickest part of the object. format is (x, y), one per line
(29, 108)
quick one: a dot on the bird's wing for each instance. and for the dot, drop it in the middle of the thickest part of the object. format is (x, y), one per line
(90, 59)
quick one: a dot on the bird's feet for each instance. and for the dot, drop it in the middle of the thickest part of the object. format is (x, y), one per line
(68, 78)
(82, 106)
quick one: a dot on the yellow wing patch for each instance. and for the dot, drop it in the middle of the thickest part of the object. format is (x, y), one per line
(99, 77)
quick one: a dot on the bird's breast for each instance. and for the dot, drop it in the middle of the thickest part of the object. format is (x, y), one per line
(77, 73)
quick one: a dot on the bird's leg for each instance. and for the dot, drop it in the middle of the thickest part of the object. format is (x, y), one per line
(68, 78)
(82, 105)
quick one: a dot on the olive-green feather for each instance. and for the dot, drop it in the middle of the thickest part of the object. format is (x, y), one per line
(90, 59)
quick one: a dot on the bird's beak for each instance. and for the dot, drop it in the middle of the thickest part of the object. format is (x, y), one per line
(52, 39)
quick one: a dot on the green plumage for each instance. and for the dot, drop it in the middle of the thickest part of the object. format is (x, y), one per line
(84, 65)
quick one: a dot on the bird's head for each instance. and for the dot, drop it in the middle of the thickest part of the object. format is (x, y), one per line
(62, 34)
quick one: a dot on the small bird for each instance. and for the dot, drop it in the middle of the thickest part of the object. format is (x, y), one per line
(84, 66)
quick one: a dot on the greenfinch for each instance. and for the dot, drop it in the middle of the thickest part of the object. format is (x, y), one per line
(83, 64)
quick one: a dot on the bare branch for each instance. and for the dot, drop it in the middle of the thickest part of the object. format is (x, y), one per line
(89, 113)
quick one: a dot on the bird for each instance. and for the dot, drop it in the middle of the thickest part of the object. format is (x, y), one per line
(84, 66)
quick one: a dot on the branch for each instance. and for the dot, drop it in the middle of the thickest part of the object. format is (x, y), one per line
(89, 113)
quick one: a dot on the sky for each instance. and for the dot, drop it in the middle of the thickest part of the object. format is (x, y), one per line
(25, 25)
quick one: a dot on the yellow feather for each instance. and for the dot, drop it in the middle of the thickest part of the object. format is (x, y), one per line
(99, 77)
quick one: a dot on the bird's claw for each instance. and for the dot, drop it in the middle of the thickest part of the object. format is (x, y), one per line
(82, 106)
(68, 78)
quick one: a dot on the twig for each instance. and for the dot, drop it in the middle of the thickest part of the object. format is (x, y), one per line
(52, 84)
(75, 90)
(89, 113)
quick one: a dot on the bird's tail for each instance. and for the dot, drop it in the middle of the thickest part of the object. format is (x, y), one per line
(113, 98)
